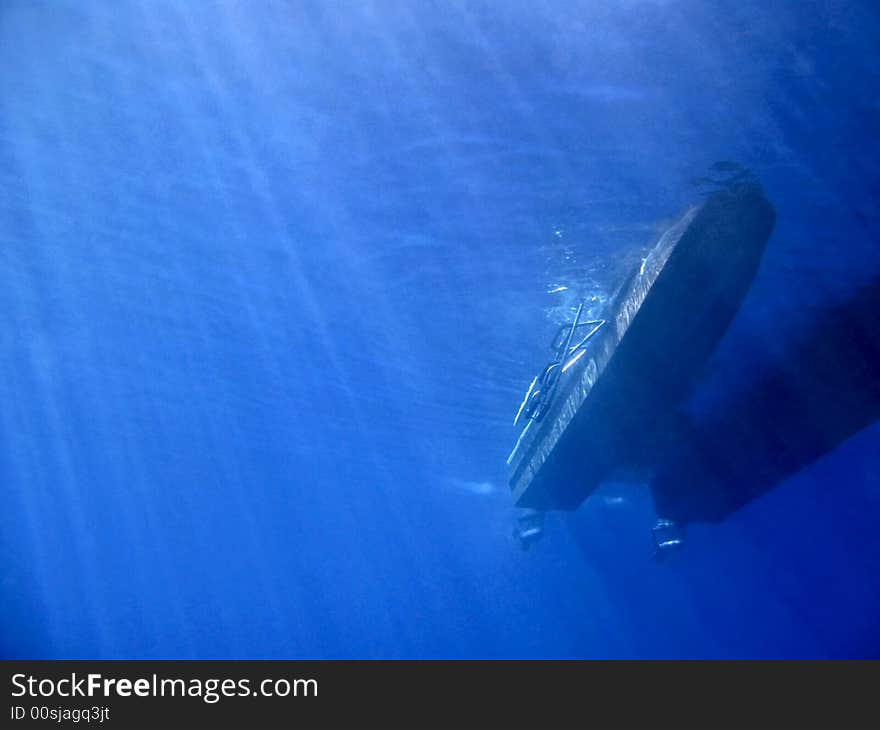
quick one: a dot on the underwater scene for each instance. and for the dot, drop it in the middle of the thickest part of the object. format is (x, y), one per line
(460, 329)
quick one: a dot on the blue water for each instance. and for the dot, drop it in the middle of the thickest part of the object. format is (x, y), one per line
(274, 277)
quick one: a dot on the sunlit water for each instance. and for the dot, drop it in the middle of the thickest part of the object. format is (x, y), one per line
(274, 277)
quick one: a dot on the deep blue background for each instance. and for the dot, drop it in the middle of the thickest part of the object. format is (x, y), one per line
(273, 277)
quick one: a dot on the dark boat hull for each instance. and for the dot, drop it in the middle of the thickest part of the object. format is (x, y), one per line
(613, 408)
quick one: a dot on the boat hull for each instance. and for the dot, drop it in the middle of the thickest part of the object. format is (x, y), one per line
(612, 409)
